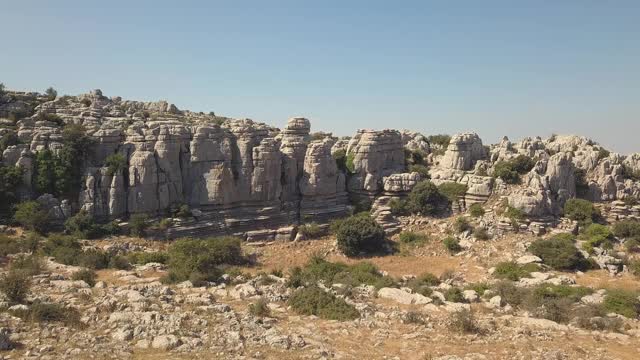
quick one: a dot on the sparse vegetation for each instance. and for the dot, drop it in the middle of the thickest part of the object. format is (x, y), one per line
(87, 275)
(623, 302)
(259, 308)
(509, 270)
(138, 224)
(481, 234)
(311, 230)
(50, 312)
(452, 190)
(463, 321)
(201, 259)
(510, 170)
(321, 270)
(143, 257)
(461, 224)
(411, 237)
(115, 163)
(452, 245)
(314, 301)
(476, 210)
(15, 285)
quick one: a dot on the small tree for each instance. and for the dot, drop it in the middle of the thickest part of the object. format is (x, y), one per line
(51, 93)
(138, 223)
(32, 216)
(115, 163)
(359, 233)
(580, 210)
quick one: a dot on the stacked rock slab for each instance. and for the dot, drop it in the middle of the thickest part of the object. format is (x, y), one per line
(396, 186)
(375, 154)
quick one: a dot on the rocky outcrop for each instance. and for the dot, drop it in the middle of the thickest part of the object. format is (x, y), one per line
(376, 154)
(463, 152)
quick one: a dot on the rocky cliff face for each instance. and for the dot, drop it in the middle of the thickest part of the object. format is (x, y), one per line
(245, 177)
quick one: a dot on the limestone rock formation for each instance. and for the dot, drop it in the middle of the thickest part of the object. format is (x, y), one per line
(463, 152)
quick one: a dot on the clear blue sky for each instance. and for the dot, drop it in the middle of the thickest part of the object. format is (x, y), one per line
(499, 68)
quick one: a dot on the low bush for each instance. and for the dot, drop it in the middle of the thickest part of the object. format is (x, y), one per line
(454, 294)
(510, 170)
(9, 245)
(259, 308)
(559, 253)
(320, 270)
(28, 264)
(627, 229)
(481, 234)
(452, 190)
(597, 235)
(63, 248)
(461, 224)
(82, 225)
(315, 301)
(476, 210)
(201, 258)
(50, 312)
(115, 163)
(594, 317)
(510, 270)
(580, 210)
(138, 224)
(464, 322)
(411, 237)
(93, 259)
(15, 285)
(452, 245)
(184, 212)
(420, 169)
(310, 230)
(87, 275)
(425, 198)
(510, 293)
(634, 267)
(622, 302)
(358, 234)
(142, 257)
(31, 215)
(422, 284)
(119, 262)
(479, 287)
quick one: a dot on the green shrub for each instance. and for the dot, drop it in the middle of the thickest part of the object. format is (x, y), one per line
(454, 294)
(349, 163)
(425, 198)
(476, 210)
(582, 185)
(504, 170)
(510, 270)
(440, 140)
(82, 225)
(580, 210)
(464, 322)
(86, 102)
(358, 233)
(423, 170)
(87, 275)
(142, 257)
(514, 215)
(594, 317)
(50, 312)
(15, 285)
(510, 293)
(622, 302)
(461, 224)
(311, 230)
(627, 229)
(320, 270)
(453, 190)
(9, 245)
(119, 262)
(634, 267)
(138, 224)
(315, 301)
(202, 257)
(411, 237)
(10, 182)
(560, 254)
(452, 245)
(32, 216)
(115, 163)
(522, 164)
(340, 156)
(481, 234)
(398, 207)
(51, 93)
(64, 249)
(93, 259)
(259, 308)
(30, 265)
(422, 284)
(479, 287)
(184, 212)
(597, 235)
